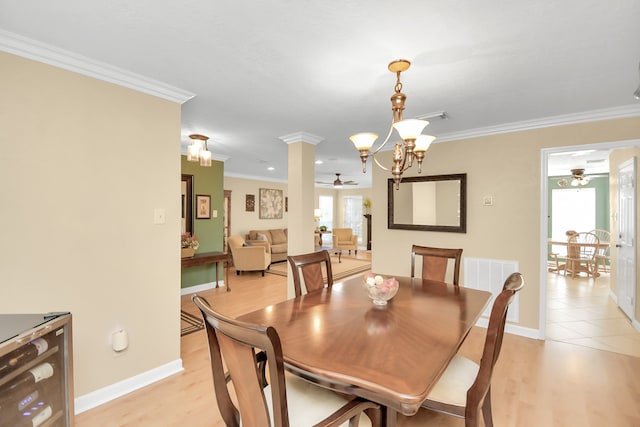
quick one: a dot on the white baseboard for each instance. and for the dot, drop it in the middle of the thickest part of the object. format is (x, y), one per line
(483, 322)
(113, 391)
(200, 288)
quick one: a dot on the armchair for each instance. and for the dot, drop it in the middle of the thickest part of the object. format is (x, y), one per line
(343, 238)
(255, 257)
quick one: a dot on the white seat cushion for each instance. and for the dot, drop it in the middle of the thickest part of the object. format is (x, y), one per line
(309, 404)
(453, 384)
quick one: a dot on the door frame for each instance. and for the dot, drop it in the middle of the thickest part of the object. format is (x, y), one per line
(544, 211)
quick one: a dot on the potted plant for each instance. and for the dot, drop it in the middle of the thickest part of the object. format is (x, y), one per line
(366, 204)
(189, 245)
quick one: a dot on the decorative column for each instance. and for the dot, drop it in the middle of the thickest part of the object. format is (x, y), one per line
(301, 193)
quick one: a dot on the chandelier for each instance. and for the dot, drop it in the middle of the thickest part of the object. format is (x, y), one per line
(414, 144)
(198, 150)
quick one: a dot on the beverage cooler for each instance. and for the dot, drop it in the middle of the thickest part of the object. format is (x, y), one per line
(36, 377)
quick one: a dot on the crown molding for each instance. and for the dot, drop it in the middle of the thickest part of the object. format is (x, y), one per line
(48, 54)
(301, 137)
(625, 111)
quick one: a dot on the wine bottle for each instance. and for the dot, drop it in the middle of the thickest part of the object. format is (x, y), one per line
(33, 416)
(22, 355)
(27, 379)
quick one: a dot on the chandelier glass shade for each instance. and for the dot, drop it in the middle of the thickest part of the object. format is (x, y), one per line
(198, 151)
(413, 145)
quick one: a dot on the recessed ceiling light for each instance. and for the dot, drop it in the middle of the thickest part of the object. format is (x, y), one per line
(270, 168)
(318, 162)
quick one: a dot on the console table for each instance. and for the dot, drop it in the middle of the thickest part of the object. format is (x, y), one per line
(207, 258)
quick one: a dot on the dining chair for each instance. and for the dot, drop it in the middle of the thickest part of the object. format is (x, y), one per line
(311, 267)
(435, 262)
(582, 249)
(287, 400)
(602, 254)
(464, 389)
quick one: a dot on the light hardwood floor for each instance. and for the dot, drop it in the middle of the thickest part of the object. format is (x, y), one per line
(536, 383)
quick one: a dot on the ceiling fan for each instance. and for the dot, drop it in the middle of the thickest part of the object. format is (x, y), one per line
(578, 178)
(338, 183)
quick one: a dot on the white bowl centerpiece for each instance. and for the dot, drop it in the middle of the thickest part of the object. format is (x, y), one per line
(379, 289)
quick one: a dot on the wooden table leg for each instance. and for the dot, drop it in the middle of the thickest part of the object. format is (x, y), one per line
(226, 274)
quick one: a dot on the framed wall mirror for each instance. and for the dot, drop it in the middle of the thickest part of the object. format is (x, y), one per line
(429, 203)
(186, 200)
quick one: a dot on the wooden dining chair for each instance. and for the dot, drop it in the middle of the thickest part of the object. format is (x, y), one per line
(602, 255)
(582, 249)
(464, 389)
(435, 262)
(287, 400)
(311, 267)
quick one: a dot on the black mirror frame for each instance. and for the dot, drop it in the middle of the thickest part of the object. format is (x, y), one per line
(461, 228)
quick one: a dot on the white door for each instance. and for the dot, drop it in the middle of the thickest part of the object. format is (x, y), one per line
(626, 268)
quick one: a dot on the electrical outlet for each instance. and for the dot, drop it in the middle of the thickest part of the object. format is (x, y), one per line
(487, 201)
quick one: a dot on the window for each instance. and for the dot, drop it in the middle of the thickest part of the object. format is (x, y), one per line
(325, 204)
(353, 215)
(572, 209)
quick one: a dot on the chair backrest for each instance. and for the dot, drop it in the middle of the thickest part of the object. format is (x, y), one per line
(342, 233)
(311, 267)
(605, 237)
(435, 261)
(235, 241)
(237, 342)
(582, 251)
(492, 345)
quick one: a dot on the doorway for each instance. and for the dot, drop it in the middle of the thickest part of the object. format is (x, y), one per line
(585, 304)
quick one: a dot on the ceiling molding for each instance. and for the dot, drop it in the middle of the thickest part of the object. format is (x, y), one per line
(632, 110)
(48, 54)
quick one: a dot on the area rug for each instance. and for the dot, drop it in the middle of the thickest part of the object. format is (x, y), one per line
(189, 323)
(348, 267)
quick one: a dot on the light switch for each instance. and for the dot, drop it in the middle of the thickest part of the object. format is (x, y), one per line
(159, 216)
(215, 213)
(487, 201)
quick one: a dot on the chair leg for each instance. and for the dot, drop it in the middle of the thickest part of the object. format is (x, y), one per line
(486, 410)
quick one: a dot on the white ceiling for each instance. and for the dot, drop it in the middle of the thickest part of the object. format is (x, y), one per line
(262, 70)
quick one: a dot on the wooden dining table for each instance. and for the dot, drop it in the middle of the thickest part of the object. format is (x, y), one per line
(392, 355)
(573, 252)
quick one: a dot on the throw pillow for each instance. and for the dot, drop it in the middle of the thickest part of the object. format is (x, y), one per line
(278, 236)
(247, 244)
(260, 236)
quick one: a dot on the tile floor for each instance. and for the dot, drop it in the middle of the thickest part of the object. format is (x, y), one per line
(580, 311)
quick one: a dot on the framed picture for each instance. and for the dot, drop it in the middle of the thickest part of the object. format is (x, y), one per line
(250, 202)
(271, 204)
(203, 206)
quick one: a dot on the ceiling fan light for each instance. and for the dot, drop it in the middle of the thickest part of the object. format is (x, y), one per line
(364, 140)
(410, 128)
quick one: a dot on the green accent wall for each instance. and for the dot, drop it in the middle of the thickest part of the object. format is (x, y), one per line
(601, 184)
(206, 181)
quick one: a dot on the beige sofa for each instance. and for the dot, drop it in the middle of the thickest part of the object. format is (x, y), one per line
(254, 257)
(277, 240)
(343, 238)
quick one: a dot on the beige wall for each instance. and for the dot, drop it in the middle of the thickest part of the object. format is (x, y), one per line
(243, 221)
(78, 194)
(507, 167)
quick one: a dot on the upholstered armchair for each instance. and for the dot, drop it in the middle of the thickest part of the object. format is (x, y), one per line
(252, 257)
(343, 238)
